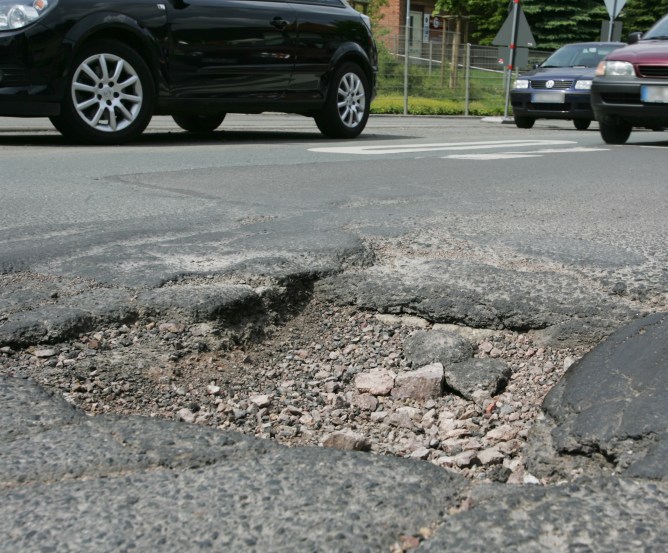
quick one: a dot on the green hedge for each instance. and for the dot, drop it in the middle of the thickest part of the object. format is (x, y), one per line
(394, 104)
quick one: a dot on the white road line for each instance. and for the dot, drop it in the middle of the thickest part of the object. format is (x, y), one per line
(445, 146)
(515, 155)
(491, 157)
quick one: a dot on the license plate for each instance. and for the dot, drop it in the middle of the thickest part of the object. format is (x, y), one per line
(548, 98)
(654, 94)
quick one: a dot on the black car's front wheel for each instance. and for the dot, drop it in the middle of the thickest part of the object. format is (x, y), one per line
(197, 123)
(346, 108)
(614, 131)
(110, 96)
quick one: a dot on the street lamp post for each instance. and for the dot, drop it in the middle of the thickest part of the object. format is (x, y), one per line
(513, 53)
(406, 42)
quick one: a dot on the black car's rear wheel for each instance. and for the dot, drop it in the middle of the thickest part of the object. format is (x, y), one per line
(198, 123)
(582, 124)
(110, 96)
(614, 131)
(524, 122)
(346, 108)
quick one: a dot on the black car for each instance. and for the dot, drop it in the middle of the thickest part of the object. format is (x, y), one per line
(559, 88)
(631, 86)
(101, 70)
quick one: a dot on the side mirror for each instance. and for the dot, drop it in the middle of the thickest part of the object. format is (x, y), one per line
(634, 37)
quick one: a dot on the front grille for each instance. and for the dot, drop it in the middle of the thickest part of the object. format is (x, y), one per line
(558, 85)
(621, 97)
(14, 76)
(653, 71)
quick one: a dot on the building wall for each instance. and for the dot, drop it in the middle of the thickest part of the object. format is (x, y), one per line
(395, 12)
(424, 28)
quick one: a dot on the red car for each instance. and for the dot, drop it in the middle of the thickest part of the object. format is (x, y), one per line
(631, 86)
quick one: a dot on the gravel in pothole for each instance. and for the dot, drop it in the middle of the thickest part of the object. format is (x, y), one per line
(329, 377)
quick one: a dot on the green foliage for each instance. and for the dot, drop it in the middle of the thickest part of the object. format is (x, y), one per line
(640, 15)
(394, 104)
(431, 84)
(373, 11)
(553, 22)
(557, 23)
(487, 20)
(429, 93)
(485, 16)
(453, 7)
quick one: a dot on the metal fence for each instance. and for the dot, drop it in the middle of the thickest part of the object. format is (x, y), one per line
(440, 66)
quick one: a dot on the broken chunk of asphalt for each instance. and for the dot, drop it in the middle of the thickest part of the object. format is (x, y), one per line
(608, 413)
(566, 312)
(74, 483)
(483, 296)
(63, 316)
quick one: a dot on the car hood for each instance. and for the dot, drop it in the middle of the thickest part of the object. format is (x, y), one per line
(650, 51)
(564, 73)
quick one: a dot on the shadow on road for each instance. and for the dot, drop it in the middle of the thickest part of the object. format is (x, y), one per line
(178, 138)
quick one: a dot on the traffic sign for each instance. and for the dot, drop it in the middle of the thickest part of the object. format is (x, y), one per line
(614, 7)
(524, 36)
(521, 56)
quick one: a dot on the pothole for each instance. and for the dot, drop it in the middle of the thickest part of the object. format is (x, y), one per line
(300, 385)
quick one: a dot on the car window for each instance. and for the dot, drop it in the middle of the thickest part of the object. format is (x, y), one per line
(589, 57)
(579, 55)
(660, 30)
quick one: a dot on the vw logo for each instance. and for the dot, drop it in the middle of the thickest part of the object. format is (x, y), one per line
(549, 84)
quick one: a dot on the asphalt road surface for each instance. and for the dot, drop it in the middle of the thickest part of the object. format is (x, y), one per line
(544, 225)
(174, 202)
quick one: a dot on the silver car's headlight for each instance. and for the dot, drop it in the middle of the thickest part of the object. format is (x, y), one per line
(15, 14)
(584, 84)
(521, 83)
(615, 68)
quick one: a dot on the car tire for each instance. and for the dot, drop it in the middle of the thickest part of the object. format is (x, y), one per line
(614, 131)
(582, 124)
(197, 123)
(110, 95)
(346, 108)
(524, 122)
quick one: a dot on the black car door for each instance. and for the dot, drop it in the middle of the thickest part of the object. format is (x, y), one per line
(230, 48)
(322, 27)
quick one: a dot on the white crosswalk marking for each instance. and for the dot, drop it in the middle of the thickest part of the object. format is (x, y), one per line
(515, 155)
(491, 157)
(446, 146)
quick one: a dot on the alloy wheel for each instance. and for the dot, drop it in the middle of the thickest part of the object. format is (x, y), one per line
(351, 100)
(107, 92)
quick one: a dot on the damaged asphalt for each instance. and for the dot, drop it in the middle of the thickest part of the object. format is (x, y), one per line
(70, 482)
